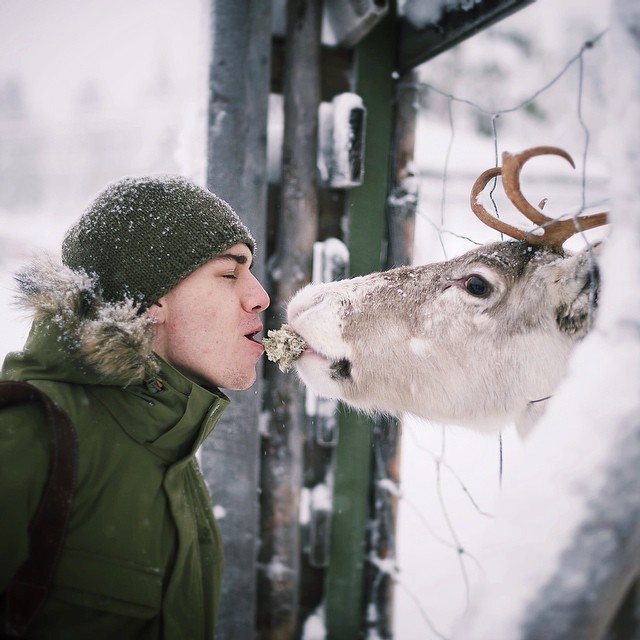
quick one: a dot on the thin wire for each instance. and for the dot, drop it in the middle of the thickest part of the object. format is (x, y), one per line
(452, 471)
(587, 135)
(443, 231)
(421, 610)
(439, 460)
(447, 518)
(495, 114)
(494, 129)
(445, 172)
(589, 44)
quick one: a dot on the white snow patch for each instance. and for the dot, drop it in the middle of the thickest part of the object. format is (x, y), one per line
(421, 13)
(219, 512)
(314, 626)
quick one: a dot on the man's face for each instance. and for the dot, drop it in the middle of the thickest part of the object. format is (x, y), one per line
(206, 325)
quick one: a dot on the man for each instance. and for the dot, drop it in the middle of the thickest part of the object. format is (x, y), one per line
(153, 309)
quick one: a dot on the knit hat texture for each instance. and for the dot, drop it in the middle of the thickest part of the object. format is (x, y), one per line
(142, 235)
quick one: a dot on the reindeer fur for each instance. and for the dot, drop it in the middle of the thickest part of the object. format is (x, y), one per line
(414, 339)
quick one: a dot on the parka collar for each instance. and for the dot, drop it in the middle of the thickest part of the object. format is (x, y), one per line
(183, 414)
(76, 335)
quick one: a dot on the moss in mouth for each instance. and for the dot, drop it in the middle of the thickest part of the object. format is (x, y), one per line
(283, 346)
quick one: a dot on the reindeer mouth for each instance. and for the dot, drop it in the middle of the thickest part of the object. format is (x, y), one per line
(339, 369)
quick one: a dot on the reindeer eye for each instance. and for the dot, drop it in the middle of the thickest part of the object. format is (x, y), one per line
(477, 286)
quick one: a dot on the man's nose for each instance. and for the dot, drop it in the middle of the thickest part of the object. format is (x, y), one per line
(259, 297)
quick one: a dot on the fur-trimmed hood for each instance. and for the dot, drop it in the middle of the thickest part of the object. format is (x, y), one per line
(77, 335)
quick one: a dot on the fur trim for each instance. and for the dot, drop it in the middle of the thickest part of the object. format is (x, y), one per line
(114, 339)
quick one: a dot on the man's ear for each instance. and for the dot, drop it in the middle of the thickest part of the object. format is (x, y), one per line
(157, 312)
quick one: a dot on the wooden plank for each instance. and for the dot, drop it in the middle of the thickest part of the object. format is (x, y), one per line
(419, 45)
(283, 442)
(379, 583)
(367, 232)
(236, 170)
(335, 69)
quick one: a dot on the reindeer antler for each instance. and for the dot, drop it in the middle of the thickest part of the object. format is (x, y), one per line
(555, 232)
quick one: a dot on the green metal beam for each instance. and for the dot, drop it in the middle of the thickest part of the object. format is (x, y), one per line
(376, 87)
(366, 241)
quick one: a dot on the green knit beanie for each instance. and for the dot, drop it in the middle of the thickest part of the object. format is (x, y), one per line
(142, 235)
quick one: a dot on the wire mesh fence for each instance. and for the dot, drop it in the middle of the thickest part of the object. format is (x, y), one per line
(450, 477)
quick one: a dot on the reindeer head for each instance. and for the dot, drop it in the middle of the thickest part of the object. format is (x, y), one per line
(480, 340)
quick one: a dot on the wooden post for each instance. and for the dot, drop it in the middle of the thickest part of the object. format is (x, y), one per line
(403, 197)
(283, 441)
(236, 171)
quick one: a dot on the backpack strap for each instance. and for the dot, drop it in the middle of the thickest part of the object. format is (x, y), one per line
(29, 588)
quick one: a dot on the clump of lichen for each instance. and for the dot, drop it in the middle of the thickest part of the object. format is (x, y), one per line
(283, 346)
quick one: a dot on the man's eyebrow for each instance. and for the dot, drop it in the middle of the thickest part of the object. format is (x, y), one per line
(239, 258)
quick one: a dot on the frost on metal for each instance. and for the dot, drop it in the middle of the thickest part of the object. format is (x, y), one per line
(283, 346)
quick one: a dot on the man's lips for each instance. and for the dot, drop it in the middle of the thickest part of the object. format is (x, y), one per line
(251, 335)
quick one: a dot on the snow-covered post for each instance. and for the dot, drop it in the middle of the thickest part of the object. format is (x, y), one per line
(403, 198)
(297, 225)
(566, 544)
(239, 75)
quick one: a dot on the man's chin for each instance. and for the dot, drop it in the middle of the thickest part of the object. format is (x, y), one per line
(239, 382)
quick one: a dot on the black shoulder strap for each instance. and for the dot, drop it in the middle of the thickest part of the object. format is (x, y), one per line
(28, 590)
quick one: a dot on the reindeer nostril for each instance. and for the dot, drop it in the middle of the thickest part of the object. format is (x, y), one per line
(341, 369)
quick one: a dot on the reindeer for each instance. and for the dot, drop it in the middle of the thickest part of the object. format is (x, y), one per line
(479, 340)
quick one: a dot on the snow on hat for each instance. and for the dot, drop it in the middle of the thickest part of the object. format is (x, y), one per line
(142, 235)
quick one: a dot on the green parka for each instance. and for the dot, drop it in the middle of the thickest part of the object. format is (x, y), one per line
(142, 558)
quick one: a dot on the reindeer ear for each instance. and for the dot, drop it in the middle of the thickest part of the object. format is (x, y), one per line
(576, 283)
